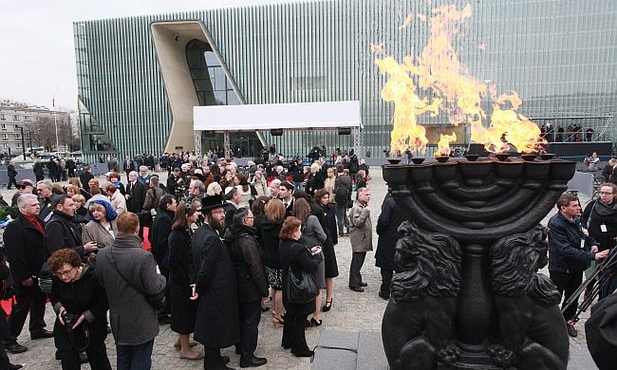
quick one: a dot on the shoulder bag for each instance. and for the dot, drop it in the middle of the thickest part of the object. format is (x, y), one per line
(302, 289)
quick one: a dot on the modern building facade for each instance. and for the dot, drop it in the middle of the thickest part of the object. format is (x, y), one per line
(139, 77)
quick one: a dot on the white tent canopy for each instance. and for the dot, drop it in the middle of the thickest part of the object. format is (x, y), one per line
(293, 116)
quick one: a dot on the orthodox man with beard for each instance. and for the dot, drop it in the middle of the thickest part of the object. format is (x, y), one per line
(217, 320)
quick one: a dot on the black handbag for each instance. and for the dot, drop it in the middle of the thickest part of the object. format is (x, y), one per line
(302, 289)
(157, 301)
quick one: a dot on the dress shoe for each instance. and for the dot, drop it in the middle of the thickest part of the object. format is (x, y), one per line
(15, 347)
(384, 296)
(13, 367)
(254, 361)
(571, 329)
(307, 353)
(328, 306)
(83, 358)
(315, 322)
(41, 334)
(356, 289)
(363, 284)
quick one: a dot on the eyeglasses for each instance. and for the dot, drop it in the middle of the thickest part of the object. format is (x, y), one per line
(605, 193)
(65, 273)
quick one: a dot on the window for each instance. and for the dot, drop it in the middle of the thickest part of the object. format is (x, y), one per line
(15, 118)
(2, 117)
(19, 145)
(5, 136)
(17, 136)
(4, 126)
(26, 118)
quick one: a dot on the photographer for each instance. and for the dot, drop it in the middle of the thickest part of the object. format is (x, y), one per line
(80, 303)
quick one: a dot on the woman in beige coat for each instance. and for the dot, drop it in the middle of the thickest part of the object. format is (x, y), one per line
(360, 237)
(102, 228)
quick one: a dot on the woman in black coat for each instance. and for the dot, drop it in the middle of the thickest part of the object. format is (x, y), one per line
(4, 327)
(183, 309)
(79, 300)
(326, 214)
(388, 223)
(298, 258)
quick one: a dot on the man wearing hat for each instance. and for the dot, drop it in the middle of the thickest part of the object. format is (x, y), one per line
(23, 187)
(217, 320)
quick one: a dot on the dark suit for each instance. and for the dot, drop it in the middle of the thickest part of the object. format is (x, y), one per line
(217, 322)
(11, 172)
(137, 196)
(25, 251)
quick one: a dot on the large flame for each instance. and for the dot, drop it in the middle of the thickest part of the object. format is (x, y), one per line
(437, 82)
(443, 146)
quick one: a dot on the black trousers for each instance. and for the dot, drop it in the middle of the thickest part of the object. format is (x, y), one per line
(213, 359)
(28, 299)
(386, 281)
(11, 182)
(4, 334)
(357, 261)
(250, 315)
(566, 285)
(293, 333)
(97, 356)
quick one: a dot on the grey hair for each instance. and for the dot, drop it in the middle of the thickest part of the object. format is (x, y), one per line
(198, 184)
(47, 183)
(23, 200)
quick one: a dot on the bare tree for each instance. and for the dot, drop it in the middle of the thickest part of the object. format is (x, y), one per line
(44, 132)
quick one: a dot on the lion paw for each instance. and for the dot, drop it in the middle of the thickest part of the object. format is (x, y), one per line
(448, 355)
(501, 356)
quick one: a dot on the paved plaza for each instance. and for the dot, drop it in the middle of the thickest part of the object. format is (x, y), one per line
(351, 311)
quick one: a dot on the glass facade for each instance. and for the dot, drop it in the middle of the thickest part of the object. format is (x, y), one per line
(560, 56)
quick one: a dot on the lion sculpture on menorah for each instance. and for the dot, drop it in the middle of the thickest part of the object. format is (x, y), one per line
(418, 325)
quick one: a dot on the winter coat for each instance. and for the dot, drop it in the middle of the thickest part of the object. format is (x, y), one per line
(217, 322)
(25, 248)
(566, 255)
(360, 228)
(295, 255)
(183, 309)
(84, 296)
(597, 214)
(159, 235)
(93, 231)
(118, 202)
(389, 220)
(62, 232)
(133, 320)
(270, 238)
(246, 256)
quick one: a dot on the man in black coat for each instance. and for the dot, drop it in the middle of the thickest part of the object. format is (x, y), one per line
(217, 320)
(62, 232)
(158, 237)
(43, 189)
(70, 167)
(389, 220)
(39, 173)
(85, 178)
(135, 197)
(25, 250)
(342, 197)
(11, 172)
(252, 283)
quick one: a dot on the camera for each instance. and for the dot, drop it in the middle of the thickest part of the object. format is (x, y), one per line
(69, 320)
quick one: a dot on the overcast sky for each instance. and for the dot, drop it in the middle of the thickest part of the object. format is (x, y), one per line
(37, 57)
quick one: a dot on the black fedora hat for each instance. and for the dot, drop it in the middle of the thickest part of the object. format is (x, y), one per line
(212, 202)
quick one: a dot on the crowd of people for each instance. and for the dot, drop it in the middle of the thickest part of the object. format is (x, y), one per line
(223, 242)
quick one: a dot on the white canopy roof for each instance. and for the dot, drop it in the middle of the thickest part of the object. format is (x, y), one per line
(294, 116)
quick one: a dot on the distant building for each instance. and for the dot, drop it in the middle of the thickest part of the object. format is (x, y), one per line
(139, 77)
(14, 119)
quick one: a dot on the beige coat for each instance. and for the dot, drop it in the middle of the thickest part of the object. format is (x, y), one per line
(94, 232)
(118, 202)
(360, 228)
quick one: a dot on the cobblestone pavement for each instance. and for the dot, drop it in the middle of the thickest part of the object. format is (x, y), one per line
(351, 311)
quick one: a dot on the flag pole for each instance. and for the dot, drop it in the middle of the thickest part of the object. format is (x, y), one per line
(56, 124)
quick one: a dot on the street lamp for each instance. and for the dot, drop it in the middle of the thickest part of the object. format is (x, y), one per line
(23, 141)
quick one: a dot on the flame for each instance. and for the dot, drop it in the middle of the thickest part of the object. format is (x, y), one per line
(435, 81)
(443, 146)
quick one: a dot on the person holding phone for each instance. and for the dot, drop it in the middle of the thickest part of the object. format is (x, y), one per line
(102, 229)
